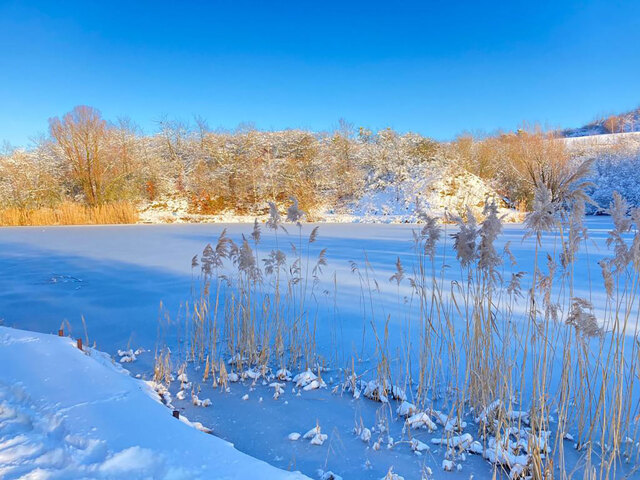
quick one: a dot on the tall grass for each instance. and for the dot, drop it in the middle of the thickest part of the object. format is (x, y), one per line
(260, 314)
(522, 355)
(70, 213)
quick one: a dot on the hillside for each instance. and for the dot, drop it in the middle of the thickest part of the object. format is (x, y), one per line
(621, 123)
(185, 174)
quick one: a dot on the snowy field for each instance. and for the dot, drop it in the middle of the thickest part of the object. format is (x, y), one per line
(126, 288)
(68, 414)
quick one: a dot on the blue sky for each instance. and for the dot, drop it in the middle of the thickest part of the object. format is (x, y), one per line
(437, 68)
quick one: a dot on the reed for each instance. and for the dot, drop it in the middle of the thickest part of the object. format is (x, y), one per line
(70, 213)
(531, 362)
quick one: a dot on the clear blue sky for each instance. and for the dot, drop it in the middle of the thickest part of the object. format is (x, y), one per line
(437, 68)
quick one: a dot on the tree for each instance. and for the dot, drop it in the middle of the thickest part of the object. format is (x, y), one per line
(81, 136)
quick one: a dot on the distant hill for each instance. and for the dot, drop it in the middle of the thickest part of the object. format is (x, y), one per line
(622, 123)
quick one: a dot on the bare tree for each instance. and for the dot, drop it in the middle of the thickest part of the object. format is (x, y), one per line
(81, 135)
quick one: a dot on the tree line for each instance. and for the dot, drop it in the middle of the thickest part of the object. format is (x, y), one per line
(89, 160)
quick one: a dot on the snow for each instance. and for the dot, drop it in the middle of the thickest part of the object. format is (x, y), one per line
(606, 139)
(365, 435)
(421, 420)
(461, 442)
(418, 446)
(626, 123)
(447, 465)
(308, 380)
(616, 158)
(125, 272)
(67, 414)
(315, 436)
(436, 190)
(200, 403)
(406, 409)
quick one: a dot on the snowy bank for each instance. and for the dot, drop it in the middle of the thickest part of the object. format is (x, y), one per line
(69, 414)
(437, 193)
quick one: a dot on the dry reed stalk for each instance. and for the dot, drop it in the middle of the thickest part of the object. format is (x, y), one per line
(70, 213)
(521, 368)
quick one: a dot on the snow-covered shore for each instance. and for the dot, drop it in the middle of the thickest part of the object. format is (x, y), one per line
(66, 414)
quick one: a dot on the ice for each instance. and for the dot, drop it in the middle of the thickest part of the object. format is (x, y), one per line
(128, 271)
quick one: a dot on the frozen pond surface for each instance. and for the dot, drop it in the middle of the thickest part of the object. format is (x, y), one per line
(116, 277)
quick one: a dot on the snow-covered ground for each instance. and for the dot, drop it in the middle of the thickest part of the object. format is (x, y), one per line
(439, 194)
(115, 277)
(440, 191)
(627, 122)
(608, 140)
(67, 414)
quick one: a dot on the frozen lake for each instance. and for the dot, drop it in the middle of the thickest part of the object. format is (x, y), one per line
(117, 278)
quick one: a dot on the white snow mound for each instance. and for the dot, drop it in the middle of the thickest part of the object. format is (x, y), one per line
(66, 414)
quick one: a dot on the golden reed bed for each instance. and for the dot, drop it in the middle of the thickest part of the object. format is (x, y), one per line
(69, 213)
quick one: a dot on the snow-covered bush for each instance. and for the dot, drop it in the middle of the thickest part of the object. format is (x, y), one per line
(618, 172)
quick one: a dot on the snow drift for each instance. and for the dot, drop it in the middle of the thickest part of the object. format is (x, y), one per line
(68, 414)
